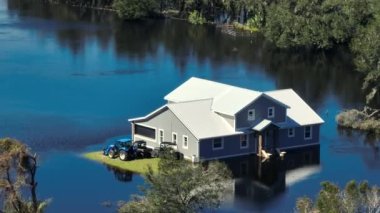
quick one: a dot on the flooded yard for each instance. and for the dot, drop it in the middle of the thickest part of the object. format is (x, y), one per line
(70, 79)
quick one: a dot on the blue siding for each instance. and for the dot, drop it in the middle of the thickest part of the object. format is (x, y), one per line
(231, 147)
(298, 140)
(261, 106)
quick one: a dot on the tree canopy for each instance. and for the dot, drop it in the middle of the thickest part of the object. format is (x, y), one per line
(316, 23)
(18, 168)
(353, 198)
(134, 9)
(180, 186)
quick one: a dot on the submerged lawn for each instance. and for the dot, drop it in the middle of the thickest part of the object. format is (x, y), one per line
(137, 166)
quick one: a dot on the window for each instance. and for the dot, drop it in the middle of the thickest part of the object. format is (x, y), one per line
(308, 132)
(251, 114)
(161, 135)
(185, 142)
(217, 143)
(145, 131)
(174, 137)
(291, 132)
(243, 141)
(271, 112)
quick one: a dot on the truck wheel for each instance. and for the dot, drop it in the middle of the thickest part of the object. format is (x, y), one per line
(111, 153)
(123, 155)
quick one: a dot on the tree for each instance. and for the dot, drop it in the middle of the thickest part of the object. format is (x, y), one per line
(134, 9)
(180, 186)
(366, 47)
(316, 24)
(18, 169)
(354, 198)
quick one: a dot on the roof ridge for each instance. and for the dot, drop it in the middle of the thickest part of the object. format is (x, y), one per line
(279, 90)
(189, 101)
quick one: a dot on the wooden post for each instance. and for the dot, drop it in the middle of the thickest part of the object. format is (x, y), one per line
(260, 146)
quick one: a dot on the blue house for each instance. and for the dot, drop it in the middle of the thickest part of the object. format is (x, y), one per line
(210, 120)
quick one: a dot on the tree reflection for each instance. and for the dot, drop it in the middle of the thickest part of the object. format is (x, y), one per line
(314, 75)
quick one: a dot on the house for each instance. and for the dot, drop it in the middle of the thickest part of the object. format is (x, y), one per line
(210, 120)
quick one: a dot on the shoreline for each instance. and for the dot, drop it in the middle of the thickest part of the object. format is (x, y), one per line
(139, 166)
(367, 120)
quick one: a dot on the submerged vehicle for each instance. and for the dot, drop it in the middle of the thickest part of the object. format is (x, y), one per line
(113, 150)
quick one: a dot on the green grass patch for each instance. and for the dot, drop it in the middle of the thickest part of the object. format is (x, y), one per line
(245, 27)
(138, 166)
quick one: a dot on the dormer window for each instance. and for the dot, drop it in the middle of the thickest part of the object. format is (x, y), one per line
(251, 114)
(271, 112)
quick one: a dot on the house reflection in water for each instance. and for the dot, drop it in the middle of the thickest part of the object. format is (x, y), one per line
(260, 181)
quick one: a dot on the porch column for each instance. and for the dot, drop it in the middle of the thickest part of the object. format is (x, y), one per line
(260, 145)
(133, 131)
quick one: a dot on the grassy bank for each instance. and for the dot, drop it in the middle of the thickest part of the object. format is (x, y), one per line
(367, 120)
(138, 166)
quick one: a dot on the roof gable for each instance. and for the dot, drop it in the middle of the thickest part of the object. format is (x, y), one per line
(196, 89)
(233, 100)
(298, 111)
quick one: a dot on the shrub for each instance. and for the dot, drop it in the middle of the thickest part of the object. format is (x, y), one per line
(196, 17)
(366, 119)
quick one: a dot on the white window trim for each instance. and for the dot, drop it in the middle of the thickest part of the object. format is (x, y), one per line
(247, 140)
(253, 113)
(218, 148)
(176, 136)
(294, 132)
(273, 114)
(159, 136)
(311, 133)
(183, 142)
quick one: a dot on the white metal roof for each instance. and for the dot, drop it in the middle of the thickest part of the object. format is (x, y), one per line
(227, 99)
(147, 116)
(200, 120)
(233, 100)
(196, 102)
(196, 89)
(260, 126)
(299, 111)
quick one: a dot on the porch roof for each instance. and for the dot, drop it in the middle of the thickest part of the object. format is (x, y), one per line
(262, 125)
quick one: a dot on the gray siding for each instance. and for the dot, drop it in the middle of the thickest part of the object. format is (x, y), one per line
(261, 106)
(167, 121)
(298, 140)
(231, 147)
(229, 119)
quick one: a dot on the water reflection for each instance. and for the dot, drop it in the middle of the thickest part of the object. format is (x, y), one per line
(120, 174)
(258, 182)
(315, 75)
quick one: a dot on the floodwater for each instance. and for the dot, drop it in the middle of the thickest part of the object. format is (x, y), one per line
(70, 79)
